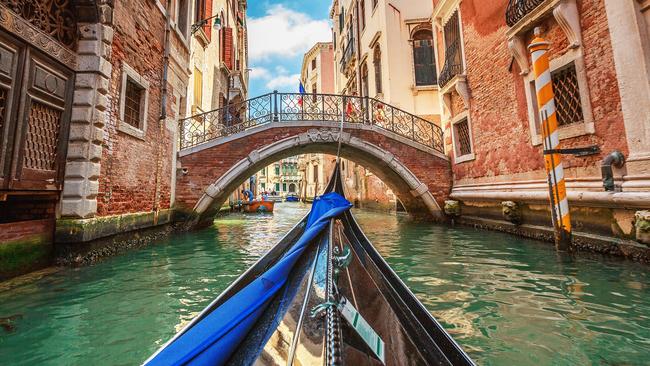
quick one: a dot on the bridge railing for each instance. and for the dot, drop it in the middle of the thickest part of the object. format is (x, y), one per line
(294, 107)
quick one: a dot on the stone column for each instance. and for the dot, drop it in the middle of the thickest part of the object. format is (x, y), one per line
(79, 198)
(629, 24)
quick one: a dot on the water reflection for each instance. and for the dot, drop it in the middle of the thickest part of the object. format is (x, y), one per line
(514, 301)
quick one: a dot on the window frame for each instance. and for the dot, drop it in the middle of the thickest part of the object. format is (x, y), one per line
(128, 73)
(377, 66)
(433, 55)
(572, 130)
(458, 158)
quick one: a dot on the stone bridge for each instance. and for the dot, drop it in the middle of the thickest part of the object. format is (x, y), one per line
(221, 149)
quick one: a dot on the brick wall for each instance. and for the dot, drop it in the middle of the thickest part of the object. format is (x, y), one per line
(498, 112)
(131, 167)
(206, 166)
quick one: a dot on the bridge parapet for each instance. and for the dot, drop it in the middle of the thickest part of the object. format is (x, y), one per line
(294, 107)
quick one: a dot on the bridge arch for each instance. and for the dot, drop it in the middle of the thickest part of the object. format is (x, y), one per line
(418, 175)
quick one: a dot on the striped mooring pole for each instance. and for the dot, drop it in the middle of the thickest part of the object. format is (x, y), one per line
(548, 117)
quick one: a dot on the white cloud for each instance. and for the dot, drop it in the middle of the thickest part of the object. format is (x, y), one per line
(283, 81)
(259, 73)
(284, 32)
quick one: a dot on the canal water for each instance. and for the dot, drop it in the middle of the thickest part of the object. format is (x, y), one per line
(506, 300)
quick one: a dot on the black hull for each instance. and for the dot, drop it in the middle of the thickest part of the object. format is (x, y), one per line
(292, 330)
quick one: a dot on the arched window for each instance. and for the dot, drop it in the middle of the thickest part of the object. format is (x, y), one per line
(423, 58)
(364, 80)
(376, 60)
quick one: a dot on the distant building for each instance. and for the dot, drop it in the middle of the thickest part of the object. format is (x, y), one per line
(384, 50)
(282, 177)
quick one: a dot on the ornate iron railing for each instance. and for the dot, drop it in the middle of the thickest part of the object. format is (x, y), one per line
(55, 17)
(453, 65)
(293, 107)
(517, 9)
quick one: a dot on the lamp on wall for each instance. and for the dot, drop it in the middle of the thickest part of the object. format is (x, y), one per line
(216, 24)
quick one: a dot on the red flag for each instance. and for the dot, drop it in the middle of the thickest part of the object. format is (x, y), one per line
(349, 109)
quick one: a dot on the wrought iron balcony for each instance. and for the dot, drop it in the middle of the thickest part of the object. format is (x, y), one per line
(287, 108)
(453, 65)
(347, 54)
(517, 9)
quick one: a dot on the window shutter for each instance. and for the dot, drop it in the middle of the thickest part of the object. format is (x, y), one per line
(226, 49)
(207, 12)
(423, 61)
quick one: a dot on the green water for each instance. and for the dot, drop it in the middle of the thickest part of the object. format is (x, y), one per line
(507, 301)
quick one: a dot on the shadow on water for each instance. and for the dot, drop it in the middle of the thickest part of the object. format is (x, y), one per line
(506, 300)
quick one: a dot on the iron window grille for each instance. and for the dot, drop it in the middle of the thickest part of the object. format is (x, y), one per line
(133, 104)
(464, 145)
(568, 103)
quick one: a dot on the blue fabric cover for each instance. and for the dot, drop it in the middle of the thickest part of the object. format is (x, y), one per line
(213, 340)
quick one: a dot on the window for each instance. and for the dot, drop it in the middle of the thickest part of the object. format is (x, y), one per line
(199, 9)
(462, 132)
(198, 88)
(277, 170)
(132, 103)
(364, 80)
(134, 99)
(263, 186)
(423, 58)
(376, 60)
(462, 138)
(277, 187)
(567, 95)
(284, 187)
(315, 173)
(362, 14)
(453, 53)
(341, 19)
(182, 16)
(313, 64)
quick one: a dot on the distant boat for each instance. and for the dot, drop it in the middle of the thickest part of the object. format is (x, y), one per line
(292, 197)
(322, 296)
(258, 206)
(274, 198)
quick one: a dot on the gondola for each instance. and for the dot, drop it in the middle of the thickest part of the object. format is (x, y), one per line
(322, 296)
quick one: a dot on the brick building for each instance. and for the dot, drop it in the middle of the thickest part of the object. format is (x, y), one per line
(90, 100)
(492, 124)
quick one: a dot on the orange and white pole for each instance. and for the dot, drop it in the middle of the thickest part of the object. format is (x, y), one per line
(548, 117)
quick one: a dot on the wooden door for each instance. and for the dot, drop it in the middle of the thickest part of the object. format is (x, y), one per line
(11, 55)
(37, 126)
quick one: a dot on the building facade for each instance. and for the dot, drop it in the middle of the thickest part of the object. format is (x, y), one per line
(492, 121)
(219, 62)
(90, 102)
(282, 178)
(384, 50)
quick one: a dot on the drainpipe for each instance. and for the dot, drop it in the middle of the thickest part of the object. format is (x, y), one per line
(614, 159)
(163, 111)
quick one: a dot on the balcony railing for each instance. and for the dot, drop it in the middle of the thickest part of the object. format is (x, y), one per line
(517, 9)
(293, 107)
(453, 65)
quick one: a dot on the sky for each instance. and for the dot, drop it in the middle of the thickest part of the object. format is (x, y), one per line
(280, 32)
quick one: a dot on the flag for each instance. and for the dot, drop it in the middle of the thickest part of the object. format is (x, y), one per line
(301, 89)
(349, 109)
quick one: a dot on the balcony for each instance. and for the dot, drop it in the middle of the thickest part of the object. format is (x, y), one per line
(518, 9)
(348, 55)
(453, 65)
